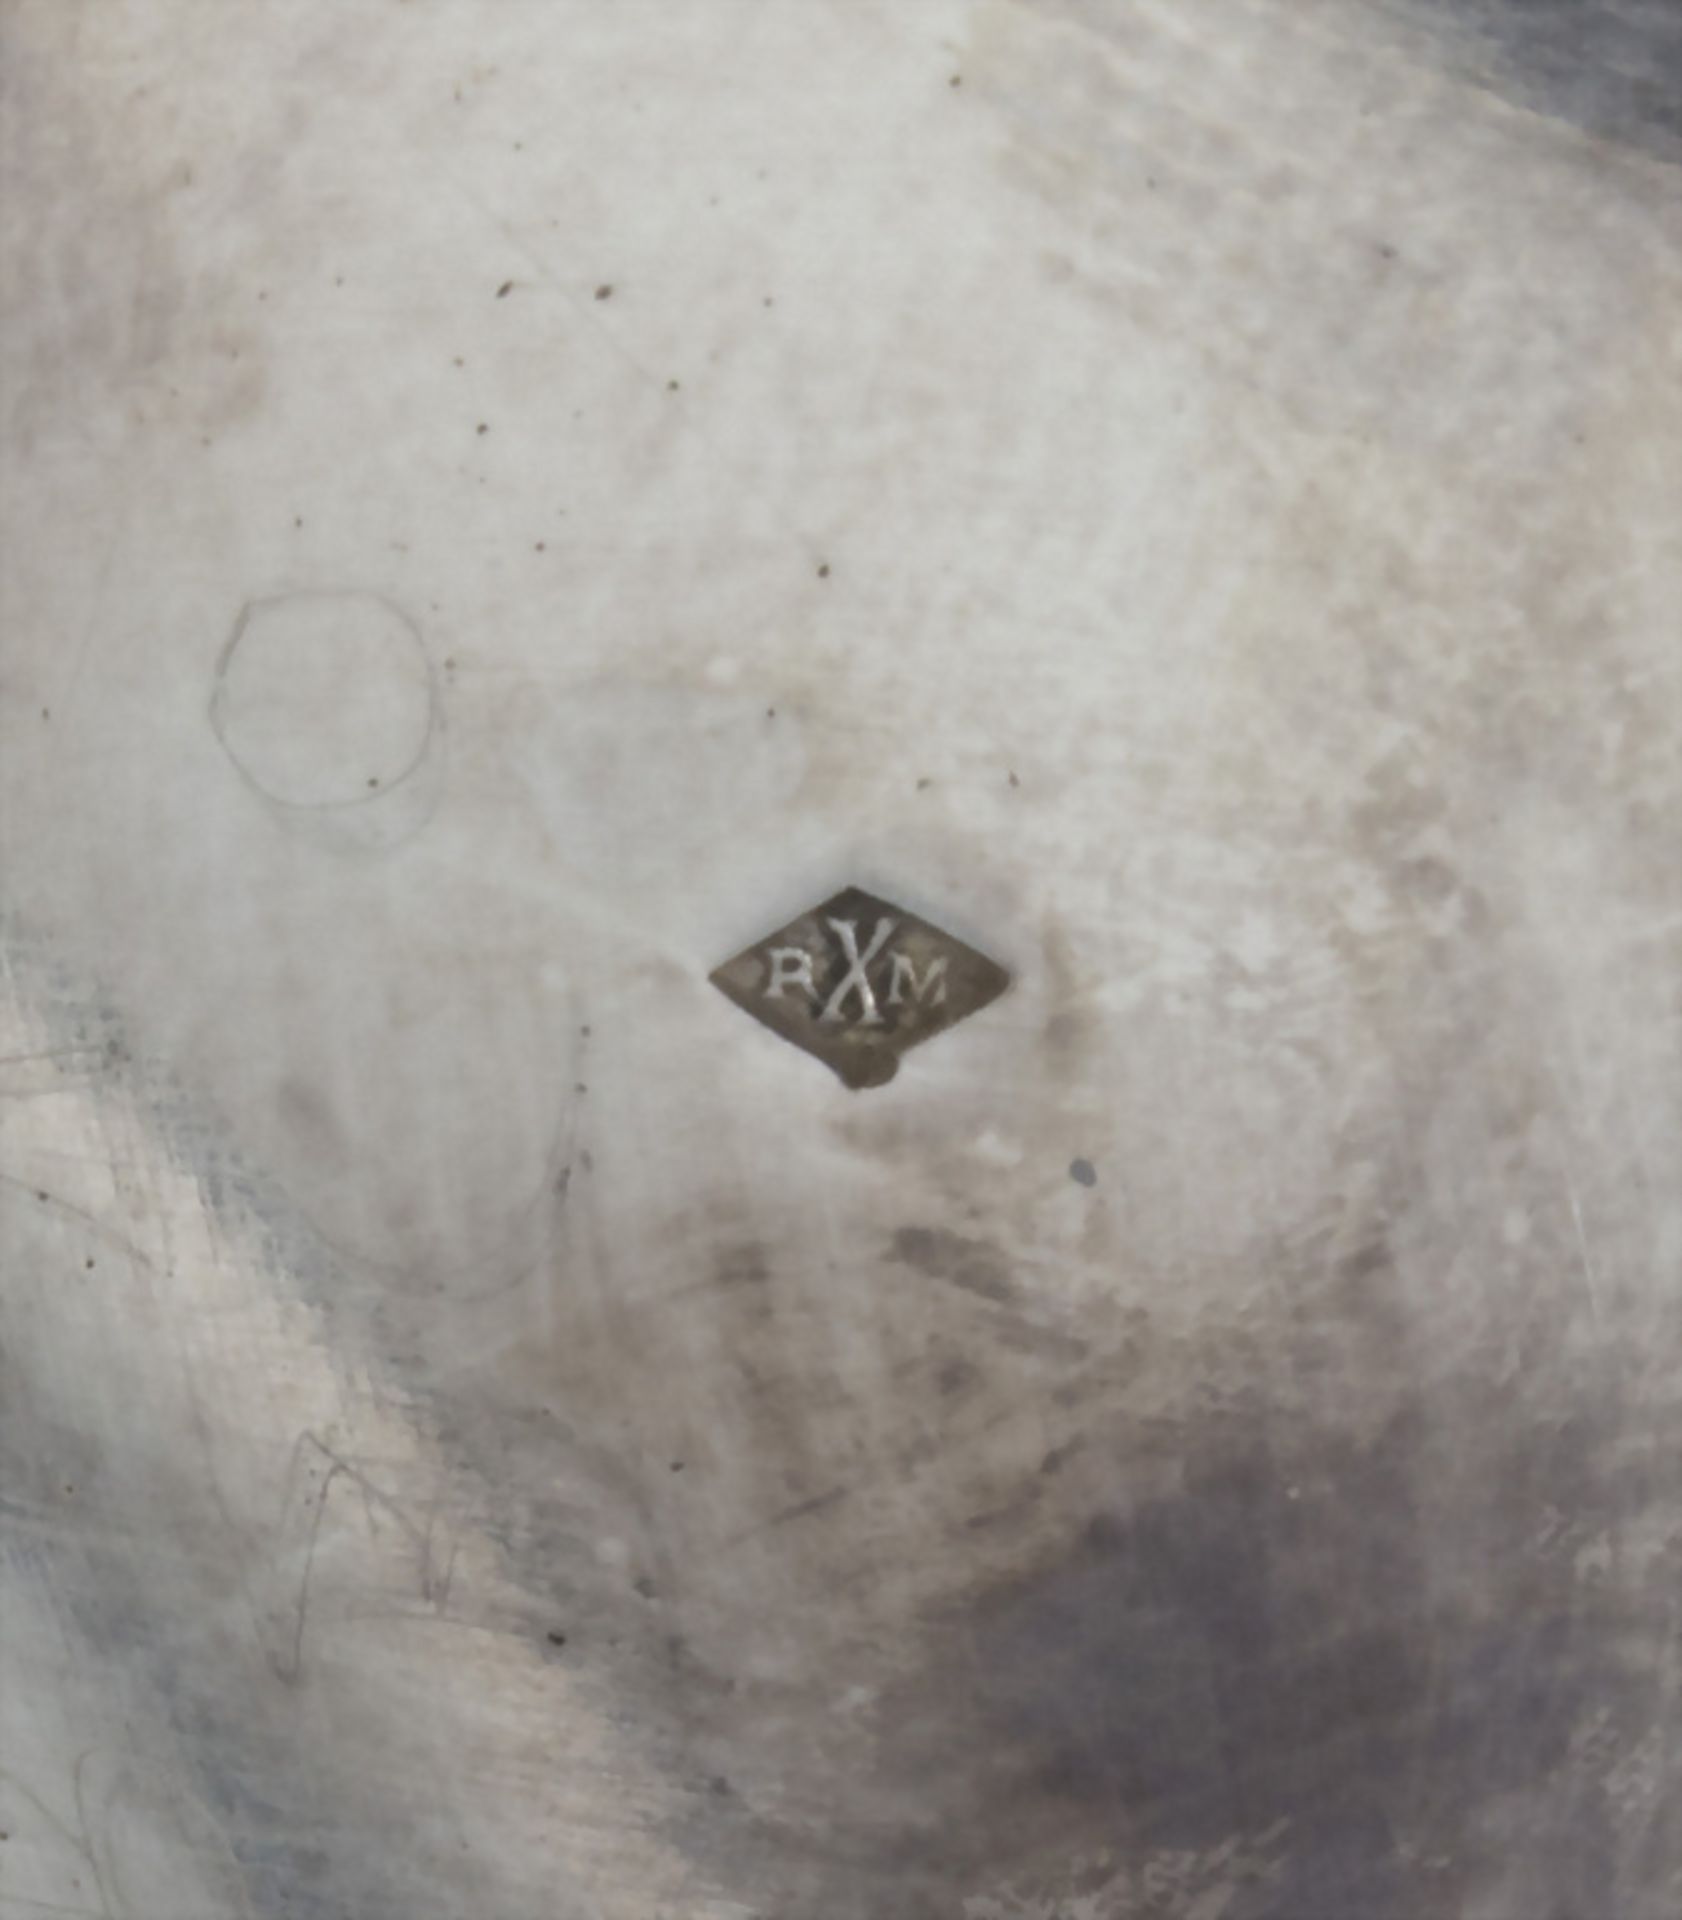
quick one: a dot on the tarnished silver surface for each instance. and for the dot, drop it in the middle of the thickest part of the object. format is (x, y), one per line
(506, 503)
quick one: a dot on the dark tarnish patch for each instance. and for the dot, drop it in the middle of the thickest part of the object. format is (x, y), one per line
(1611, 67)
(1210, 1662)
(973, 1265)
(1295, 1656)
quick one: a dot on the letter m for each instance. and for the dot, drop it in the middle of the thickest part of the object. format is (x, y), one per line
(930, 990)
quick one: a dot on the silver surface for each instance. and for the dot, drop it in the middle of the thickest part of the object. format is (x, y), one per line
(505, 502)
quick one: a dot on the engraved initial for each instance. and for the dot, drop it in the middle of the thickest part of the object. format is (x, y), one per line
(847, 932)
(930, 990)
(790, 967)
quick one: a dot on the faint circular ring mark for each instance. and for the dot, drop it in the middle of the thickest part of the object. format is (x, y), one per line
(324, 699)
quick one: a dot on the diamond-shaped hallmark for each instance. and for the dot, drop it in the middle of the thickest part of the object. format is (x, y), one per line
(858, 981)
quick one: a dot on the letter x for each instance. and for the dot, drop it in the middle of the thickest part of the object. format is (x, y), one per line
(847, 932)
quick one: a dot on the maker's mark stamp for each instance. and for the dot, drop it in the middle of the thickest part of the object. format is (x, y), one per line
(857, 981)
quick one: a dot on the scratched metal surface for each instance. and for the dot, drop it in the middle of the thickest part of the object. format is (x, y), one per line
(505, 504)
